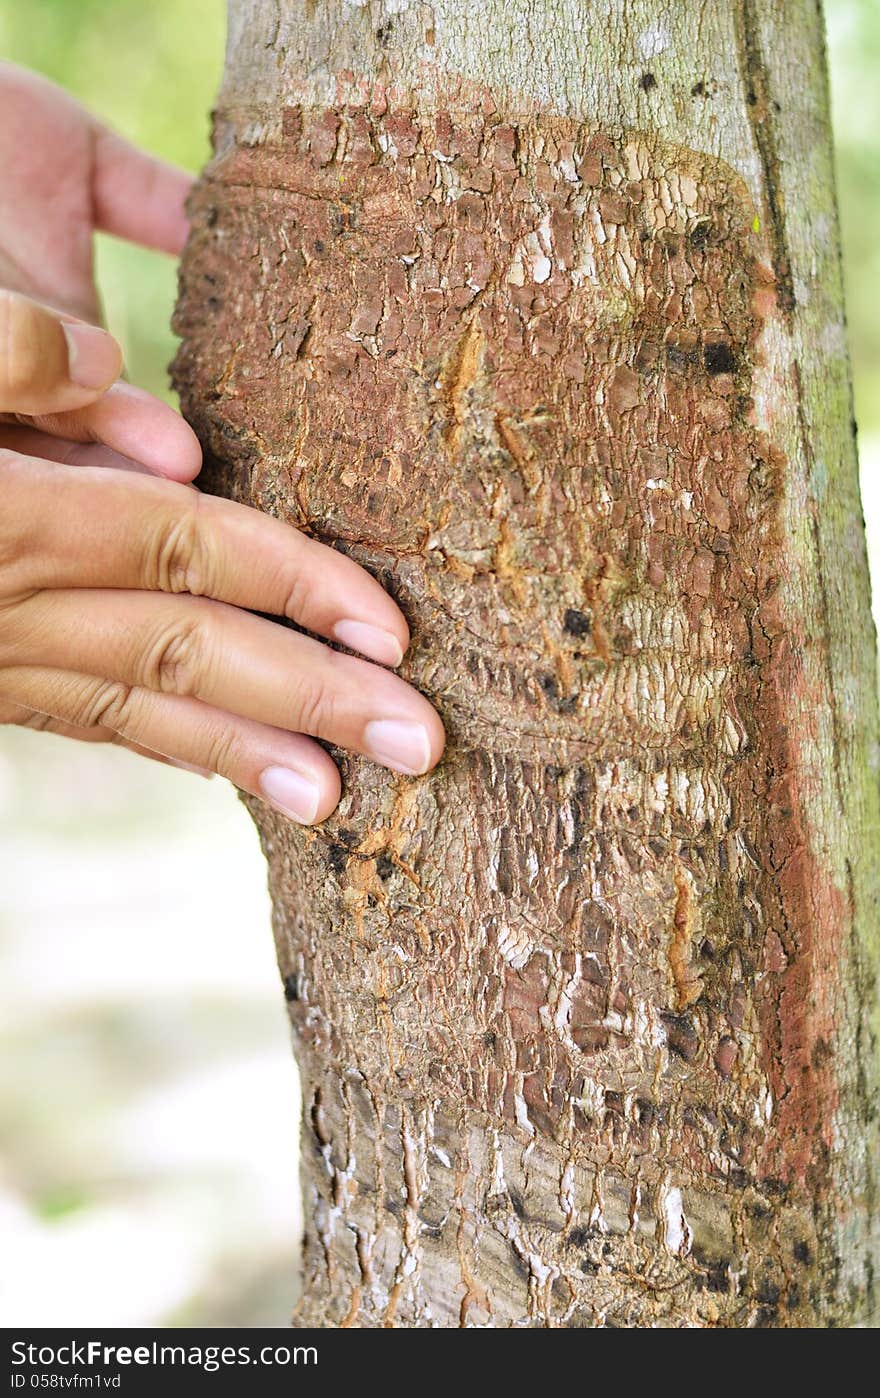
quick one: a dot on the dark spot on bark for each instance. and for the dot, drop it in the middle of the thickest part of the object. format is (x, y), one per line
(516, 1202)
(645, 1112)
(211, 217)
(718, 358)
(776, 1188)
(854, 427)
(213, 303)
(577, 623)
(678, 359)
(647, 81)
(766, 1318)
(563, 703)
(291, 988)
(393, 1206)
(793, 1296)
(384, 866)
(337, 857)
(717, 1270)
(589, 1267)
(768, 1293)
(614, 1102)
(821, 1053)
(319, 245)
(699, 89)
(802, 1253)
(751, 97)
(738, 1177)
(698, 236)
(681, 1036)
(579, 1237)
(383, 33)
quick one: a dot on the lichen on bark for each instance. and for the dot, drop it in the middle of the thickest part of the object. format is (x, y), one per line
(579, 1016)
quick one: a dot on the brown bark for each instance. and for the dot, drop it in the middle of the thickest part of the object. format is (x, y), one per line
(582, 1017)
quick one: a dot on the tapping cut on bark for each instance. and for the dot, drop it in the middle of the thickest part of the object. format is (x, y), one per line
(583, 1016)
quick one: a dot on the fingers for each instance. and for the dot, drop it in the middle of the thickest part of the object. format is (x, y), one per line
(129, 421)
(23, 717)
(50, 363)
(66, 453)
(232, 661)
(138, 532)
(291, 772)
(136, 196)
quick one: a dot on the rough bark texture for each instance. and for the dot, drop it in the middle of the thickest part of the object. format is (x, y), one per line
(535, 309)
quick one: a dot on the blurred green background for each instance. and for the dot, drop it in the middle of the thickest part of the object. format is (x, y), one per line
(148, 1107)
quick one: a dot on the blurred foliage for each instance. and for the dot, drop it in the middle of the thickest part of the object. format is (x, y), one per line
(150, 69)
(854, 56)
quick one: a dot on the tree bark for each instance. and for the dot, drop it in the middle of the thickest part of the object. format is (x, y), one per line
(534, 307)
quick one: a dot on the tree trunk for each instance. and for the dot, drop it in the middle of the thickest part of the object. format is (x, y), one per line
(534, 307)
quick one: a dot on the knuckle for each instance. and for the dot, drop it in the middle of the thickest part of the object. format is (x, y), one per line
(175, 660)
(182, 557)
(316, 711)
(105, 705)
(296, 593)
(22, 561)
(223, 752)
(19, 350)
(18, 634)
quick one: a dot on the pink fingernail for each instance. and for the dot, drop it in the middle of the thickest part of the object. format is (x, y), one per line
(291, 793)
(399, 744)
(372, 641)
(93, 356)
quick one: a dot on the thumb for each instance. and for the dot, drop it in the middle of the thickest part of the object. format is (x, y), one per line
(49, 362)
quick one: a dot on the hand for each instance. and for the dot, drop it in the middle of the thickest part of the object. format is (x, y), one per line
(121, 593)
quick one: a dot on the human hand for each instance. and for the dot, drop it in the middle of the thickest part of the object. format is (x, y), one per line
(121, 593)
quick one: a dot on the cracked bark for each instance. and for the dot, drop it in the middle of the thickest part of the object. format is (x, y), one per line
(535, 309)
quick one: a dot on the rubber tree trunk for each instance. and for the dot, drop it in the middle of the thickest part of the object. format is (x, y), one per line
(534, 307)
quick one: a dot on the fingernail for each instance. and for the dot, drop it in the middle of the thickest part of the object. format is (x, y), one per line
(291, 793)
(93, 357)
(369, 640)
(399, 744)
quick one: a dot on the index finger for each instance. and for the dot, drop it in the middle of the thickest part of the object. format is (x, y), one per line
(135, 531)
(137, 196)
